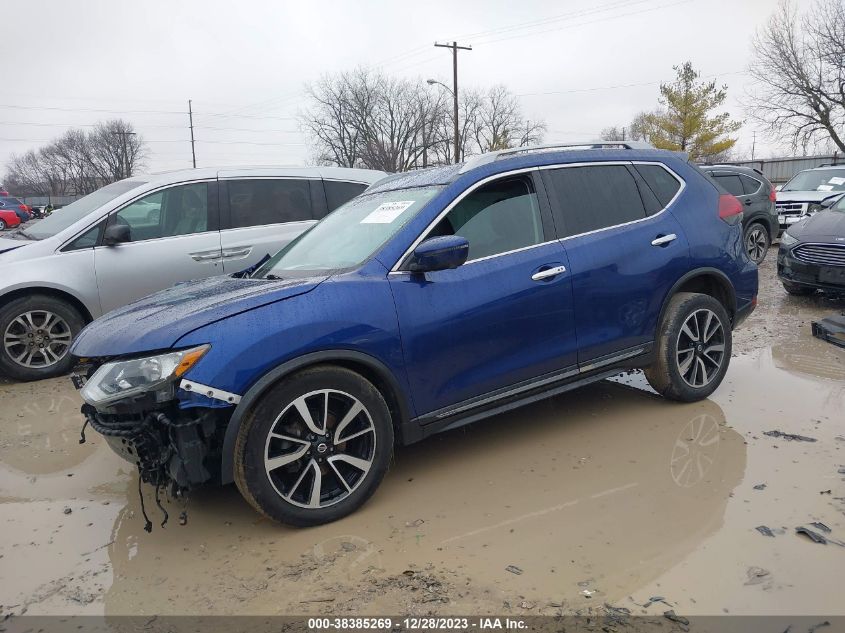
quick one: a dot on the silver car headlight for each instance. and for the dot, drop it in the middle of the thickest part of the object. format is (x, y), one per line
(126, 378)
(787, 240)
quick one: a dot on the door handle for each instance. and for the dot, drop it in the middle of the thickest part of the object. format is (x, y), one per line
(205, 257)
(748, 203)
(548, 273)
(230, 253)
(664, 239)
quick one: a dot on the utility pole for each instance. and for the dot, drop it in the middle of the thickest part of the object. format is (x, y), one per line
(191, 123)
(623, 133)
(455, 48)
(124, 168)
(753, 143)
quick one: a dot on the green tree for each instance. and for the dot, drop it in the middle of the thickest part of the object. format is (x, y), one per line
(688, 122)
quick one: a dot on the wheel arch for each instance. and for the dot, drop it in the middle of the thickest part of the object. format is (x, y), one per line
(55, 293)
(708, 281)
(367, 366)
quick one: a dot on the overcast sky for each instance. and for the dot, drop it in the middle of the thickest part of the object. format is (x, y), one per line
(578, 65)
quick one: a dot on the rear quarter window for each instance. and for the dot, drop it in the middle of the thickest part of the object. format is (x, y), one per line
(663, 184)
(339, 192)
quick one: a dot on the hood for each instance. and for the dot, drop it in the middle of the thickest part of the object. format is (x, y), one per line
(805, 196)
(823, 225)
(6, 244)
(158, 321)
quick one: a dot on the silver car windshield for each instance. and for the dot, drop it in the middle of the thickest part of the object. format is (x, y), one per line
(62, 218)
(817, 180)
(350, 235)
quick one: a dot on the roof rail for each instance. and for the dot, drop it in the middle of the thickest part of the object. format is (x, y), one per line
(489, 157)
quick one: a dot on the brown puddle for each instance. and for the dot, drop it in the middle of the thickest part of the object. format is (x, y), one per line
(606, 494)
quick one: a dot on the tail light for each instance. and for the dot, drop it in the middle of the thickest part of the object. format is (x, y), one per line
(730, 209)
(23, 208)
(773, 194)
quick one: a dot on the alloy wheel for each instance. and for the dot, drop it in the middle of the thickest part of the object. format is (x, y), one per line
(320, 448)
(756, 244)
(701, 348)
(37, 339)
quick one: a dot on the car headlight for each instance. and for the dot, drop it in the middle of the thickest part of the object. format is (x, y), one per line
(125, 378)
(787, 240)
(812, 208)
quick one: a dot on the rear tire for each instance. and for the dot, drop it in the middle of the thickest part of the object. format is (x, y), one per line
(315, 447)
(2, 225)
(757, 242)
(35, 337)
(693, 348)
(797, 290)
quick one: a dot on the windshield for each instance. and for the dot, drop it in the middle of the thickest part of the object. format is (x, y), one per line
(817, 180)
(840, 205)
(62, 218)
(351, 234)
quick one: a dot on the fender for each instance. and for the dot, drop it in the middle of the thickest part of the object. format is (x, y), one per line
(701, 272)
(270, 378)
(766, 220)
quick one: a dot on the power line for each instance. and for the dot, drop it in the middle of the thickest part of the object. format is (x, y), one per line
(618, 86)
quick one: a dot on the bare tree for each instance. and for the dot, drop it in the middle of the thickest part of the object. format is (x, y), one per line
(799, 69)
(368, 119)
(613, 133)
(78, 162)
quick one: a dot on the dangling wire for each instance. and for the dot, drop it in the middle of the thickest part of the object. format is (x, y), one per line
(148, 525)
(161, 507)
(82, 432)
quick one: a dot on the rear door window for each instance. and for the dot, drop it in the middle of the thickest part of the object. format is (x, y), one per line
(593, 197)
(731, 183)
(263, 201)
(338, 192)
(663, 184)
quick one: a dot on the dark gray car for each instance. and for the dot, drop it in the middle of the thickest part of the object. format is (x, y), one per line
(757, 195)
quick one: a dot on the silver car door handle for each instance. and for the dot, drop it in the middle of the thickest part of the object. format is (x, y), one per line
(205, 256)
(660, 241)
(550, 272)
(237, 252)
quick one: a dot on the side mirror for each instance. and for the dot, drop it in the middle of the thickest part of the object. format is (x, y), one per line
(439, 253)
(829, 202)
(116, 234)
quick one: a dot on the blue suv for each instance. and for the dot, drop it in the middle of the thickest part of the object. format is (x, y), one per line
(434, 299)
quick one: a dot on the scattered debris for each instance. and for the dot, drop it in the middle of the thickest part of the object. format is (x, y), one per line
(841, 471)
(654, 600)
(813, 628)
(790, 436)
(756, 575)
(821, 526)
(416, 523)
(587, 593)
(760, 487)
(514, 570)
(765, 531)
(670, 615)
(813, 536)
(526, 605)
(830, 329)
(67, 510)
(824, 492)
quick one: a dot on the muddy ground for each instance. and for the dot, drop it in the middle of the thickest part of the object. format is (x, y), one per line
(603, 495)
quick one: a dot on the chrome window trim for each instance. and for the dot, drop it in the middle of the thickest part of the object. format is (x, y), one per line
(452, 205)
(132, 201)
(680, 190)
(442, 214)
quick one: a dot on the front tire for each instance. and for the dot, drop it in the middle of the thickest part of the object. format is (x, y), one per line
(693, 348)
(37, 332)
(2, 225)
(315, 447)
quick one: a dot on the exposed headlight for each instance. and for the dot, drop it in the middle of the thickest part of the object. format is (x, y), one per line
(125, 378)
(787, 240)
(812, 208)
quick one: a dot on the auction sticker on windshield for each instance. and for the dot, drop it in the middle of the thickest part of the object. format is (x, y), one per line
(386, 212)
(837, 181)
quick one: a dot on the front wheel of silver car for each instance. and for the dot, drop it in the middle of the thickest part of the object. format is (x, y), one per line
(37, 332)
(315, 447)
